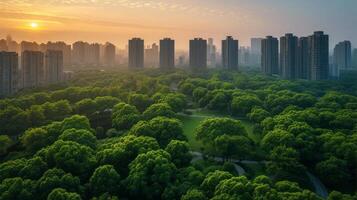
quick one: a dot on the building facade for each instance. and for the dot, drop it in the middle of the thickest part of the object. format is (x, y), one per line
(303, 59)
(319, 56)
(33, 71)
(136, 53)
(151, 57)
(198, 53)
(54, 66)
(288, 56)
(342, 58)
(167, 53)
(230, 53)
(270, 55)
(9, 71)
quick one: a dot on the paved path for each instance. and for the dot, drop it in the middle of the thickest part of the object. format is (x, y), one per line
(320, 189)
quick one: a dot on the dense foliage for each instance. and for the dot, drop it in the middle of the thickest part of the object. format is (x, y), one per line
(120, 135)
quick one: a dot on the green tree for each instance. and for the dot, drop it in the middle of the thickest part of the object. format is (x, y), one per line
(77, 122)
(17, 189)
(232, 146)
(159, 110)
(277, 137)
(241, 105)
(258, 114)
(194, 194)
(333, 172)
(140, 101)
(180, 153)
(5, 143)
(85, 107)
(209, 129)
(212, 180)
(105, 179)
(61, 194)
(13, 120)
(81, 136)
(69, 156)
(35, 139)
(124, 116)
(150, 173)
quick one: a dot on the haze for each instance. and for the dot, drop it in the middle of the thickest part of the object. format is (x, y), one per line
(118, 20)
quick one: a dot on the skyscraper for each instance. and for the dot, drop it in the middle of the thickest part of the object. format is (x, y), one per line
(270, 55)
(288, 56)
(303, 59)
(230, 53)
(244, 56)
(61, 46)
(78, 53)
(342, 58)
(8, 73)
(33, 72)
(109, 54)
(54, 66)
(151, 56)
(136, 53)
(167, 53)
(198, 53)
(255, 53)
(354, 58)
(319, 55)
(211, 53)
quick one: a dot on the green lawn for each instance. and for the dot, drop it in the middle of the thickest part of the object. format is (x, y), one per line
(190, 122)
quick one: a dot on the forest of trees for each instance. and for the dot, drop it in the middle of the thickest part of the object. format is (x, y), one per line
(118, 135)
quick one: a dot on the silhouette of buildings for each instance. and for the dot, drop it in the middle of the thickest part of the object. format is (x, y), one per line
(211, 53)
(9, 71)
(288, 56)
(255, 53)
(136, 53)
(109, 54)
(230, 53)
(198, 53)
(167, 53)
(303, 59)
(244, 56)
(32, 65)
(270, 55)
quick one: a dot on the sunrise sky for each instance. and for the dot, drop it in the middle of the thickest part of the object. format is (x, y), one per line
(118, 20)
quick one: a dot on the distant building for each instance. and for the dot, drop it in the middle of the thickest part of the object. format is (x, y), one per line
(244, 56)
(78, 53)
(303, 59)
(230, 53)
(167, 53)
(33, 72)
(198, 53)
(92, 54)
(211, 53)
(151, 57)
(109, 54)
(255, 51)
(9, 71)
(270, 56)
(54, 66)
(136, 53)
(319, 55)
(61, 46)
(29, 46)
(3, 45)
(354, 58)
(342, 58)
(288, 56)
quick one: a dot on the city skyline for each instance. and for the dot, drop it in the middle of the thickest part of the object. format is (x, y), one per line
(117, 21)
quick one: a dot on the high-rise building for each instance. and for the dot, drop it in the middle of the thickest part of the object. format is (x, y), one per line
(167, 53)
(198, 53)
(303, 59)
(92, 55)
(8, 73)
(33, 72)
(255, 53)
(354, 58)
(54, 66)
(230, 53)
(288, 56)
(211, 53)
(3, 45)
(342, 58)
(151, 56)
(78, 53)
(270, 56)
(319, 55)
(29, 46)
(136, 53)
(244, 56)
(61, 46)
(109, 54)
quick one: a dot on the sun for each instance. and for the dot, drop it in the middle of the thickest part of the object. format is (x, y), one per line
(34, 25)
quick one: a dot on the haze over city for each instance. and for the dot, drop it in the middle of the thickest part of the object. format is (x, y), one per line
(118, 20)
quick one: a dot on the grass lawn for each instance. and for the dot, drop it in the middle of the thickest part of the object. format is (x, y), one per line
(190, 122)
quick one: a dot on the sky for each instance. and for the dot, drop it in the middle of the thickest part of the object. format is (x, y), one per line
(118, 20)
